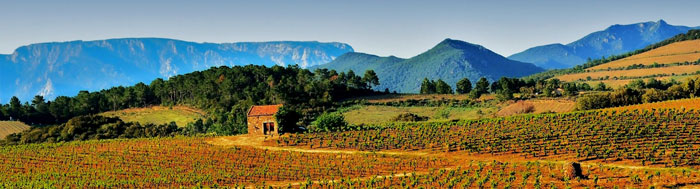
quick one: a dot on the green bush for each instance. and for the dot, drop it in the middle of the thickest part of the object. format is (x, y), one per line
(444, 113)
(409, 117)
(287, 119)
(329, 122)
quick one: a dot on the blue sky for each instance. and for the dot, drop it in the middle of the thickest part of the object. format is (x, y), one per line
(388, 27)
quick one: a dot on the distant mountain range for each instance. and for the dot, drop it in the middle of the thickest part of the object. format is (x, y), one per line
(450, 60)
(64, 68)
(614, 40)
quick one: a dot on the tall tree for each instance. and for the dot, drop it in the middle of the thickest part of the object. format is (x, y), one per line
(464, 86)
(442, 88)
(15, 108)
(427, 87)
(370, 78)
(482, 87)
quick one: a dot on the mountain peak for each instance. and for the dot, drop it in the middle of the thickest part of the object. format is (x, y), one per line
(616, 39)
(661, 22)
(447, 41)
(457, 44)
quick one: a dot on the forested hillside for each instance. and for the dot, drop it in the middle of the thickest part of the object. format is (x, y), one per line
(225, 92)
(450, 60)
(614, 40)
(64, 68)
(603, 63)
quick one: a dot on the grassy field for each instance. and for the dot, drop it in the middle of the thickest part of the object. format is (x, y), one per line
(672, 53)
(376, 114)
(538, 106)
(9, 127)
(404, 97)
(382, 114)
(181, 115)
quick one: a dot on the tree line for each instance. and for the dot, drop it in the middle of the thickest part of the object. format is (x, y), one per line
(226, 93)
(506, 87)
(638, 91)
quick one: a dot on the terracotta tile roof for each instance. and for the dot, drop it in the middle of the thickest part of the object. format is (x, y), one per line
(264, 110)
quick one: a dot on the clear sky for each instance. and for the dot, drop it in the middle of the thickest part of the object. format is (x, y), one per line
(384, 27)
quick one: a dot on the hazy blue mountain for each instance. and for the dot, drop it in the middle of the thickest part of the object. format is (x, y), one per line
(616, 39)
(64, 68)
(450, 60)
(359, 62)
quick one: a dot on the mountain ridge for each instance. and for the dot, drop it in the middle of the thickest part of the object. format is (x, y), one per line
(613, 40)
(449, 60)
(63, 68)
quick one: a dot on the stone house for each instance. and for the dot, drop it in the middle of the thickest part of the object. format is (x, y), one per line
(261, 120)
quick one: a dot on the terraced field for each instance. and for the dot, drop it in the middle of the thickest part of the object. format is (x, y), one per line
(10, 127)
(633, 73)
(672, 53)
(673, 61)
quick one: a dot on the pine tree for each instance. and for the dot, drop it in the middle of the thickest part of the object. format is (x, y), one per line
(443, 88)
(464, 86)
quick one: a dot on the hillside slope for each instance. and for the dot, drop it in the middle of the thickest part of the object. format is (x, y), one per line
(158, 115)
(673, 61)
(64, 68)
(616, 39)
(450, 60)
(10, 127)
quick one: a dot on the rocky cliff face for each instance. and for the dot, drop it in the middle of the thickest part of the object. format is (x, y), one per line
(64, 68)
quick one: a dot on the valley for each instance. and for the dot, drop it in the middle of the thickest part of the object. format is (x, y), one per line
(162, 113)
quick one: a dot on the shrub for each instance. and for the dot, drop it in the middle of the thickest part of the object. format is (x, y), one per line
(444, 113)
(92, 127)
(329, 122)
(409, 117)
(287, 118)
(520, 107)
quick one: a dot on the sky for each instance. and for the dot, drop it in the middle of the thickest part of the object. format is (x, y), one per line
(403, 28)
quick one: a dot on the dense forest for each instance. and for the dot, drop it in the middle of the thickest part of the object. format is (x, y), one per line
(225, 93)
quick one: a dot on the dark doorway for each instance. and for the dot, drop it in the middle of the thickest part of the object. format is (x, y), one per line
(268, 128)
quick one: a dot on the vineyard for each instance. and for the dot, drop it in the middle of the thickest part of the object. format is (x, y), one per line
(693, 103)
(495, 174)
(184, 162)
(664, 137)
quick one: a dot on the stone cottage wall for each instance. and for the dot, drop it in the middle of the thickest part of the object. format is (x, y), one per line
(255, 124)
